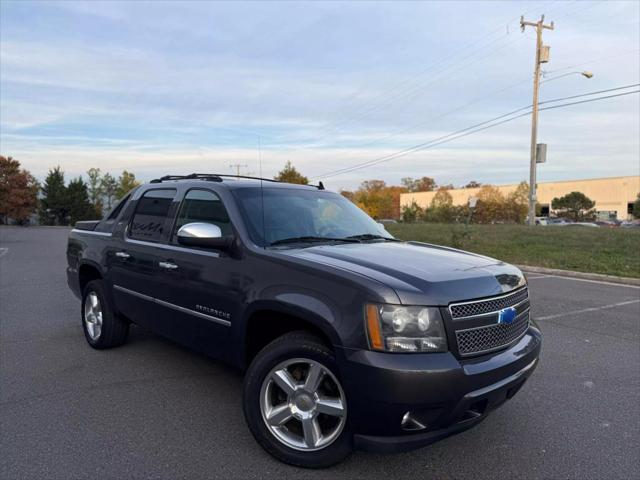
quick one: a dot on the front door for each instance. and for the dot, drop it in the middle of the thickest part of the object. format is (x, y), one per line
(202, 286)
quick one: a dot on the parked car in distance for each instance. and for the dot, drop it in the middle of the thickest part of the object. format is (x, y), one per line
(581, 224)
(558, 221)
(348, 337)
(607, 223)
(631, 224)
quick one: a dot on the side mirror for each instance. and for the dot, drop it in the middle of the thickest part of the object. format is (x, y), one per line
(204, 235)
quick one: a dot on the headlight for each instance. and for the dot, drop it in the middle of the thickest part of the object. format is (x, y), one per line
(394, 328)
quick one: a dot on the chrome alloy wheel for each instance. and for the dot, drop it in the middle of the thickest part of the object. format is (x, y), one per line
(93, 315)
(303, 405)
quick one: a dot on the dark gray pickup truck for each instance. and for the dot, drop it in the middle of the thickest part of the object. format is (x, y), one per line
(347, 336)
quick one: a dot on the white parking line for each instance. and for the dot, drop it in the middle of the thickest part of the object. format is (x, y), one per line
(584, 310)
(602, 282)
(3, 252)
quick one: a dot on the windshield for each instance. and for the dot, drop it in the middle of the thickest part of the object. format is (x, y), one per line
(307, 215)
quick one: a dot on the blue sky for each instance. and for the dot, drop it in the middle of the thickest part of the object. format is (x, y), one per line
(161, 87)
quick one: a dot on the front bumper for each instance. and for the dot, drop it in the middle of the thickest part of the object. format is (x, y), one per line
(443, 394)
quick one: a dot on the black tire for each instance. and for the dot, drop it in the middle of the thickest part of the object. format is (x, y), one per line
(114, 330)
(292, 345)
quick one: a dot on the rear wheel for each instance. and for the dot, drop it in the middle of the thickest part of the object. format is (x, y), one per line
(294, 403)
(102, 328)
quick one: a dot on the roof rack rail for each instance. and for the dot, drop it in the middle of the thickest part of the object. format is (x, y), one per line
(248, 177)
(218, 177)
(192, 176)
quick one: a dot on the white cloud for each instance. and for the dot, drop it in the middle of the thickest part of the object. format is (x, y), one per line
(155, 87)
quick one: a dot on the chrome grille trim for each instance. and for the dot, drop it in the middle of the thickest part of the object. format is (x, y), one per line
(477, 308)
(489, 338)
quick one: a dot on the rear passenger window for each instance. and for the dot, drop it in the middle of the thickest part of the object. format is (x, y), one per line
(150, 217)
(203, 206)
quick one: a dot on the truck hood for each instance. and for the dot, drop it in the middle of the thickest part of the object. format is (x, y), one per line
(420, 273)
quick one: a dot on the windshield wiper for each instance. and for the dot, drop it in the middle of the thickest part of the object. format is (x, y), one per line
(312, 239)
(372, 236)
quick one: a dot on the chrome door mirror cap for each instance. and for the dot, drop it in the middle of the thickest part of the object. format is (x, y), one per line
(206, 235)
(199, 230)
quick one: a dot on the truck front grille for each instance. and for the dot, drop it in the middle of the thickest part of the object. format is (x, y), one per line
(495, 304)
(476, 322)
(491, 337)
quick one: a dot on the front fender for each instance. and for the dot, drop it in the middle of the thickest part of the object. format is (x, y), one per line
(307, 308)
(310, 308)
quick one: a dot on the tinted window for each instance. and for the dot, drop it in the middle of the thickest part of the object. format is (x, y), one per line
(151, 214)
(203, 206)
(292, 213)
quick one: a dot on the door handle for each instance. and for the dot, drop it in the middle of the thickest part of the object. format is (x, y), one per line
(124, 255)
(167, 265)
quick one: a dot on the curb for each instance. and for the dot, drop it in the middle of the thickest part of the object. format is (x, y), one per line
(581, 275)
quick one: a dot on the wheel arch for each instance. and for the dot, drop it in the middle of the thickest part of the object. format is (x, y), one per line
(266, 321)
(88, 271)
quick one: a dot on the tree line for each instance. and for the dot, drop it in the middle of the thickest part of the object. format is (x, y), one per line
(56, 201)
(492, 206)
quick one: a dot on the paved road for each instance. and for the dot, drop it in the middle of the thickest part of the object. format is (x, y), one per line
(152, 409)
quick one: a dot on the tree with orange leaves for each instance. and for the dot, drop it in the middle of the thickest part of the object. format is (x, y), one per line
(378, 199)
(18, 192)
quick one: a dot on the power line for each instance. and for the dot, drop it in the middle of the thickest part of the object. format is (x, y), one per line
(442, 115)
(391, 100)
(411, 149)
(595, 60)
(335, 126)
(412, 90)
(462, 107)
(407, 81)
(479, 99)
(423, 146)
(589, 93)
(459, 134)
(468, 131)
(589, 100)
(474, 44)
(365, 110)
(401, 95)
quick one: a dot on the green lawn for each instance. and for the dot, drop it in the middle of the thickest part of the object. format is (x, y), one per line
(612, 251)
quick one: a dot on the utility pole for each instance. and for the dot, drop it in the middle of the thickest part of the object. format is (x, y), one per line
(542, 56)
(238, 166)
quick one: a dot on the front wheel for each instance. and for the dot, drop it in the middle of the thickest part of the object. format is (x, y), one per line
(294, 403)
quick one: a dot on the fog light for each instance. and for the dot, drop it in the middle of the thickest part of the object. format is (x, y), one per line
(411, 424)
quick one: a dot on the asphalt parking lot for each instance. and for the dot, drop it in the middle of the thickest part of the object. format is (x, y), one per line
(152, 409)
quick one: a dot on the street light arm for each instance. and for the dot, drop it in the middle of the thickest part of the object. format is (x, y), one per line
(585, 74)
